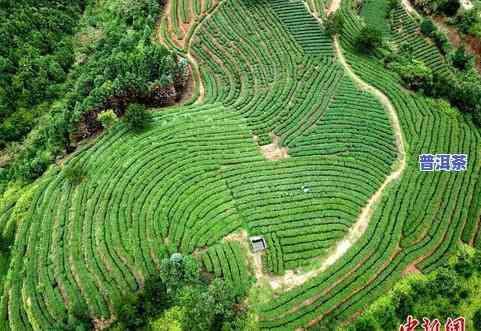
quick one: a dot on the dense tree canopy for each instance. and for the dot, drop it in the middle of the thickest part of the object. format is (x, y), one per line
(451, 291)
(115, 62)
(36, 53)
(447, 7)
(369, 39)
(180, 299)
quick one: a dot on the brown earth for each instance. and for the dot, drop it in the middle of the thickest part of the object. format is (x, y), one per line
(471, 44)
(412, 269)
(274, 151)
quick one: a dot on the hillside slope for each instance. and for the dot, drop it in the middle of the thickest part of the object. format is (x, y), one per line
(201, 172)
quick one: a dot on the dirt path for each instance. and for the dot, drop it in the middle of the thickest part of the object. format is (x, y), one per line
(358, 229)
(335, 5)
(255, 260)
(292, 278)
(196, 75)
(295, 278)
(410, 9)
(191, 58)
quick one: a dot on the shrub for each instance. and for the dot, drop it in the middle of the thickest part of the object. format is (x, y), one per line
(415, 75)
(477, 319)
(460, 58)
(365, 323)
(171, 320)
(442, 42)
(477, 116)
(211, 309)
(334, 23)
(446, 7)
(449, 7)
(368, 40)
(392, 4)
(136, 117)
(475, 29)
(428, 27)
(107, 118)
(74, 174)
(467, 21)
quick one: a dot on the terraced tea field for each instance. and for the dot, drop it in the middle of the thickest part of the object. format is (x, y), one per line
(267, 73)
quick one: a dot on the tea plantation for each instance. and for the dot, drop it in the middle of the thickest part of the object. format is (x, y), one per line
(266, 73)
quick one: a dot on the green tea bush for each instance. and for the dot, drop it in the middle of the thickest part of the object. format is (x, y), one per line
(136, 117)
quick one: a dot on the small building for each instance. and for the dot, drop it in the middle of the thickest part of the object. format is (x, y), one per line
(258, 243)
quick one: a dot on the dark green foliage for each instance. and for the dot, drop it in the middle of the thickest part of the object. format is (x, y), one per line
(36, 53)
(334, 23)
(441, 41)
(178, 271)
(469, 22)
(74, 174)
(428, 27)
(404, 303)
(445, 283)
(368, 40)
(214, 306)
(210, 309)
(461, 58)
(461, 89)
(449, 7)
(366, 323)
(153, 296)
(477, 115)
(135, 309)
(129, 315)
(118, 63)
(136, 117)
(76, 320)
(392, 4)
(30, 165)
(327, 324)
(441, 294)
(439, 7)
(477, 319)
(463, 92)
(415, 74)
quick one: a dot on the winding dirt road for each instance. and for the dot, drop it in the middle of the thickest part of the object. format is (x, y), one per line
(186, 51)
(291, 279)
(335, 5)
(410, 9)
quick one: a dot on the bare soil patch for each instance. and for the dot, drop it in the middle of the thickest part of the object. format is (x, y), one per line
(412, 268)
(471, 44)
(335, 4)
(102, 324)
(240, 236)
(274, 151)
(199, 251)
